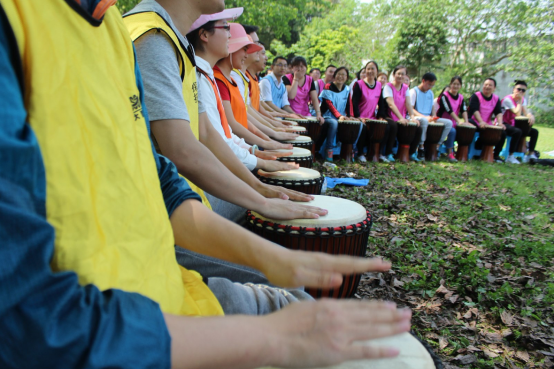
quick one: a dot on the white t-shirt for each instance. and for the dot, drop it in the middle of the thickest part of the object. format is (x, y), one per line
(209, 104)
(387, 92)
(508, 104)
(265, 90)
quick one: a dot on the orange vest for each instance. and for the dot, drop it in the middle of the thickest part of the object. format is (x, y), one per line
(237, 102)
(254, 91)
(220, 109)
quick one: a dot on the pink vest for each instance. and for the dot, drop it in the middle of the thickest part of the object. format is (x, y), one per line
(399, 98)
(321, 84)
(370, 99)
(509, 117)
(300, 102)
(456, 106)
(486, 107)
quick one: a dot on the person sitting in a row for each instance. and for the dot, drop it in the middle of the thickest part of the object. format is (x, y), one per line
(273, 91)
(397, 97)
(366, 99)
(315, 73)
(451, 106)
(515, 105)
(302, 90)
(336, 105)
(383, 78)
(359, 77)
(485, 109)
(327, 77)
(422, 100)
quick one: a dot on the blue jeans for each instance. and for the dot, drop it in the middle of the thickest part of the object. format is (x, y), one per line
(329, 132)
(449, 143)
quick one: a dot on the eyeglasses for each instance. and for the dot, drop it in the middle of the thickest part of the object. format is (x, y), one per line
(280, 65)
(226, 28)
(521, 89)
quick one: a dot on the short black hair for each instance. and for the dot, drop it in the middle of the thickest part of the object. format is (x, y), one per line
(429, 77)
(372, 62)
(359, 73)
(330, 66)
(520, 82)
(398, 67)
(277, 58)
(456, 78)
(311, 70)
(491, 79)
(250, 29)
(297, 60)
(339, 69)
(194, 36)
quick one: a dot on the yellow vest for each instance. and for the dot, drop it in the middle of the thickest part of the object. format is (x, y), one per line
(103, 192)
(246, 88)
(140, 23)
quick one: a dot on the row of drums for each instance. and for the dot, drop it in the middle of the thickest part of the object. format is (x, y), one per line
(348, 132)
(343, 231)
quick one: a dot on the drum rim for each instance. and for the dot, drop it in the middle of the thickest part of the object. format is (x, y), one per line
(298, 120)
(493, 127)
(304, 141)
(354, 227)
(521, 117)
(295, 182)
(350, 121)
(376, 121)
(295, 158)
(471, 126)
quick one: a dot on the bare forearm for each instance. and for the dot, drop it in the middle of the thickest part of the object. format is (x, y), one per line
(275, 108)
(288, 110)
(393, 108)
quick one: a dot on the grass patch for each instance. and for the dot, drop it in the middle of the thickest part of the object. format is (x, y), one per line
(472, 247)
(546, 140)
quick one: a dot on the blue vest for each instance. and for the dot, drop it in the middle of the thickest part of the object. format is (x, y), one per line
(339, 100)
(277, 92)
(424, 101)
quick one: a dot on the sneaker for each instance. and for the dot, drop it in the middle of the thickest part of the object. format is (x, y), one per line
(362, 159)
(390, 158)
(414, 157)
(498, 159)
(329, 156)
(532, 156)
(512, 160)
(421, 153)
(384, 159)
(451, 158)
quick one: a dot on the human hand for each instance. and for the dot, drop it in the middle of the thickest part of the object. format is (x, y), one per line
(325, 332)
(298, 75)
(289, 268)
(531, 119)
(483, 125)
(403, 121)
(274, 145)
(277, 192)
(271, 155)
(275, 166)
(341, 118)
(284, 136)
(282, 209)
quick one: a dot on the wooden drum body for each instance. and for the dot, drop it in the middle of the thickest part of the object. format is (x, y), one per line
(301, 156)
(405, 136)
(523, 124)
(304, 180)
(376, 131)
(413, 355)
(343, 231)
(303, 142)
(489, 137)
(464, 135)
(434, 134)
(311, 124)
(347, 133)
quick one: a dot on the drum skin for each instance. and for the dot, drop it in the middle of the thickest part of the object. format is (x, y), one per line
(312, 126)
(309, 186)
(413, 355)
(304, 158)
(350, 238)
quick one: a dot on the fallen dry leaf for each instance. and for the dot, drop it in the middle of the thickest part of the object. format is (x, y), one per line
(443, 342)
(523, 355)
(432, 218)
(506, 317)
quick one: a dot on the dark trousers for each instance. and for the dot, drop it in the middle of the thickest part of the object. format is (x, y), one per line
(533, 138)
(390, 136)
(499, 145)
(362, 141)
(515, 134)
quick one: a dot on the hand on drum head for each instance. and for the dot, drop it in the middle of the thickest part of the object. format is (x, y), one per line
(403, 121)
(274, 145)
(285, 136)
(272, 155)
(294, 116)
(292, 268)
(275, 166)
(282, 209)
(322, 333)
(483, 125)
(277, 192)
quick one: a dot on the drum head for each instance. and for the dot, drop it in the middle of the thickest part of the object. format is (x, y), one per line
(522, 118)
(300, 139)
(466, 126)
(413, 355)
(349, 122)
(297, 152)
(494, 127)
(436, 124)
(342, 213)
(300, 129)
(300, 174)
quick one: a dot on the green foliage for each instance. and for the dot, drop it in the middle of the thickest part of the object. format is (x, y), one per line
(125, 5)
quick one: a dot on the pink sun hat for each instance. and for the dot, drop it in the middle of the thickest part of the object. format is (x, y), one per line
(240, 39)
(231, 14)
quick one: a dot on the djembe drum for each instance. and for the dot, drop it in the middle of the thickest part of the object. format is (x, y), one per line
(523, 124)
(304, 180)
(343, 231)
(413, 355)
(405, 136)
(303, 157)
(434, 134)
(464, 136)
(303, 142)
(489, 137)
(298, 130)
(347, 133)
(376, 131)
(311, 124)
